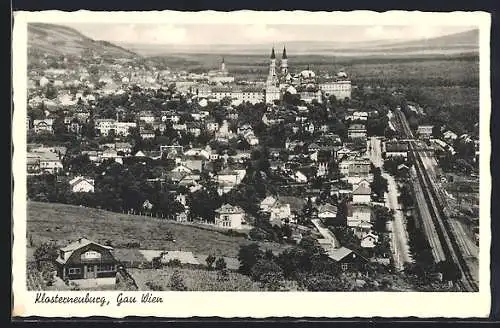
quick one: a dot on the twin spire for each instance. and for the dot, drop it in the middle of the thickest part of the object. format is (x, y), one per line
(273, 55)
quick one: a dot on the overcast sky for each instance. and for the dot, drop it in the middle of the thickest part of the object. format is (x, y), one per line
(189, 34)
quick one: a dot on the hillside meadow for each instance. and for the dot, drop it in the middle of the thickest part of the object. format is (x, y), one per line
(66, 223)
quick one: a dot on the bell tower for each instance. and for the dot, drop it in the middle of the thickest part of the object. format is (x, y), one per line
(284, 62)
(223, 65)
(272, 65)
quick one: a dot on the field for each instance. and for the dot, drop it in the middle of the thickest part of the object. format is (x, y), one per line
(195, 280)
(66, 223)
(425, 70)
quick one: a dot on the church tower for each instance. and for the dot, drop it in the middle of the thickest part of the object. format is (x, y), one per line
(272, 66)
(272, 91)
(223, 65)
(284, 63)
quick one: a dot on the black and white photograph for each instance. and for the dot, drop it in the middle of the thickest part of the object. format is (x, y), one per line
(235, 155)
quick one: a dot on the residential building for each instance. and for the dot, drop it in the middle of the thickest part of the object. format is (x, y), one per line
(341, 89)
(358, 214)
(229, 216)
(44, 125)
(85, 259)
(395, 149)
(356, 131)
(146, 117)
(347, 258)
(327, 212)
(356, 170)
(123, 128)
(361, 194)
(81, 184)
(369, 240)
(425, 131)
(267, 203)
(279, 212)
(449, 135)
(43, 161)
(124, 147)
(147, 134)
(105, 125)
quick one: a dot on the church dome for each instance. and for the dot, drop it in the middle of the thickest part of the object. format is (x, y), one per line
(307, 74)
(341, 74)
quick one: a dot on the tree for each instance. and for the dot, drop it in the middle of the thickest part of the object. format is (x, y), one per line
(248, 255)
(382, 216)
(379, 183)
(177, 282)
(59, 127)
(156, 262)
(210, 261)
(46, 252)
(450, 270)
(269, 273)
(220, 264)
(45, 256)
(50, 92)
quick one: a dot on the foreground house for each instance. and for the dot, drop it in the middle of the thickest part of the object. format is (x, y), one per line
(347, 258)
(85, 259)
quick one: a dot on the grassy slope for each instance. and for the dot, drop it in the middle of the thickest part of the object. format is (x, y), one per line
(195, 280)
(61, 40)
(65, 223)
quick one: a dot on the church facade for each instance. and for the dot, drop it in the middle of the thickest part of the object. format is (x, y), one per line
(278, 82)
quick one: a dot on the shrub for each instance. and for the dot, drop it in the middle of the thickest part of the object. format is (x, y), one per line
(156, 262)
(177, 282)
(222, 275)
(210, 261)
(154, 286)
(174, 263)
(220, 264)
(46, 252)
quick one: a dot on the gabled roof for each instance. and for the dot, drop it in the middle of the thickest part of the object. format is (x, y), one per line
(362, 190)
(81, 243)
(337, 254)
(269, 200)
(370, 235)
(79, 179)
(228, 208)
(70, 248)
(327, 208)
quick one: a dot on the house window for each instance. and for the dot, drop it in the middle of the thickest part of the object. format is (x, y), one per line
(90, 268)
(74, 271)
(344, 266)
(105, 267)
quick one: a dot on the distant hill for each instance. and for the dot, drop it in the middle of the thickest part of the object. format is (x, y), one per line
(465, 42)
(467, 39)
(56, 40)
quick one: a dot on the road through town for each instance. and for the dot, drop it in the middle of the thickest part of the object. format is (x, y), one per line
(399, 235)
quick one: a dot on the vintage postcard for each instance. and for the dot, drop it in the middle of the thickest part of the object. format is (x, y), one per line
(251, 164)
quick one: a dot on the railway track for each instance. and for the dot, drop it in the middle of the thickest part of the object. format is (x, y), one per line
(443, 230)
